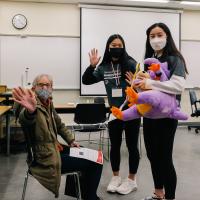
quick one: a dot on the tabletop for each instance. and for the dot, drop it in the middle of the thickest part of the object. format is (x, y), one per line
(4, 109)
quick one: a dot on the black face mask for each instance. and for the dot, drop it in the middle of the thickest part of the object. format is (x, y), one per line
(116, 52)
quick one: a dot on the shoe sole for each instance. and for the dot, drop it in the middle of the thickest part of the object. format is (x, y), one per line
(126, 192)
(111, 191)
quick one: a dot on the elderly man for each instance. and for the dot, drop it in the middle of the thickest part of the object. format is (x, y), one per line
(41, 124)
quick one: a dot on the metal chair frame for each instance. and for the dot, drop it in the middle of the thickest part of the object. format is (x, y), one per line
(31, 161)
(76, 178)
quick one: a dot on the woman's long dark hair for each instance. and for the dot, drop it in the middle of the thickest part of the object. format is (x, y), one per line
(170, 48)
(107, 59)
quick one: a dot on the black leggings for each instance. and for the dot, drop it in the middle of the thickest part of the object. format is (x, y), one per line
(131, 128)
(159, 139)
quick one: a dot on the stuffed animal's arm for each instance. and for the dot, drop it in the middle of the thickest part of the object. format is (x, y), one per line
(132, 95)
(116, 112)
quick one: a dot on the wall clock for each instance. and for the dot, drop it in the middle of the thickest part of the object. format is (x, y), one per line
(19, 21)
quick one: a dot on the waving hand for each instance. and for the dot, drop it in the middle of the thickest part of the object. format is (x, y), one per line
(26, 98)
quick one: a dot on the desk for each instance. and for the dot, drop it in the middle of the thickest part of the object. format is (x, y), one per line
(4, 110)
(7, 96)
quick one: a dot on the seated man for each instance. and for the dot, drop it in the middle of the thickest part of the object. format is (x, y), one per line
(41, 123)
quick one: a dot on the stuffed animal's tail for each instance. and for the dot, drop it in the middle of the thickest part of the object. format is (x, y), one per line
(177, 114)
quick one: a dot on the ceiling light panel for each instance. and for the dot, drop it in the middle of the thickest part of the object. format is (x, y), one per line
(194, 3)
(150, 1)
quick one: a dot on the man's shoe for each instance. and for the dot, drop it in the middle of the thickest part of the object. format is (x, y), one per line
(127, 186)
(114, 184)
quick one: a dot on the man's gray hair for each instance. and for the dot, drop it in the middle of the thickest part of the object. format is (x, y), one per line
(38, 77)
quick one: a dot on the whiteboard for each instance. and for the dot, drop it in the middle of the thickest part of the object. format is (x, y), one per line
(57, 56)
(98, 24)
(191, 53)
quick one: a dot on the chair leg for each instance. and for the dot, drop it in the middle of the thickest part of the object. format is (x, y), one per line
(101, 140)
(108, 143)
(25, 186)
(102, 146)
(140, 144)
(197, 128)
(77, 182)
(89, 138)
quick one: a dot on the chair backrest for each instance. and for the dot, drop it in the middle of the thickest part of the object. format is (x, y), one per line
(99, 100)
(193, 97)
(193, 102)
(28, 138)
(29, 147)
(90, 113)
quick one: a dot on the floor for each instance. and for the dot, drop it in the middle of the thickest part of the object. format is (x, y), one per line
(186, 160)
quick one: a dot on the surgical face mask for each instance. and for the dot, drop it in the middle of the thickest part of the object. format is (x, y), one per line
(116, 52)
(158, 43)
(43, 94)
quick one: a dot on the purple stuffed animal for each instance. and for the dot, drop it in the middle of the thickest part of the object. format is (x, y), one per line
(151, 103)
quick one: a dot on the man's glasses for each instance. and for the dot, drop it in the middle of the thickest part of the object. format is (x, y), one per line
(48, 85)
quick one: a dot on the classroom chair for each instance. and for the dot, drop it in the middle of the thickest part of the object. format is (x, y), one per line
(91, 118)
(195, 107)
(31, 160)
(75, 175)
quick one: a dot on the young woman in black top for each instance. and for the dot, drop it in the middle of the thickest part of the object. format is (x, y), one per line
(113, 70)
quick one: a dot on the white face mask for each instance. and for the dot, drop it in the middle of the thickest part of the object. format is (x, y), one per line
(158, 43)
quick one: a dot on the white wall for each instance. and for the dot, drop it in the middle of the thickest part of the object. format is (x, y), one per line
(64, 20)
(43, 18)
(190, 29)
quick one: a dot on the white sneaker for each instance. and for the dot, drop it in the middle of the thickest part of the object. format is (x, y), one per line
(127, 186)
(114, 184)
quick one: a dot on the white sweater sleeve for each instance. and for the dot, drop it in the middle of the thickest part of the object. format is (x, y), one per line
(175, 85)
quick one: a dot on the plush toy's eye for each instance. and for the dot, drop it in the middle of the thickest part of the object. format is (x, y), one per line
(159, 74)
(143, 72)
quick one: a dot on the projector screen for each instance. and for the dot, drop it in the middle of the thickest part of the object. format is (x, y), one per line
(97, 24)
